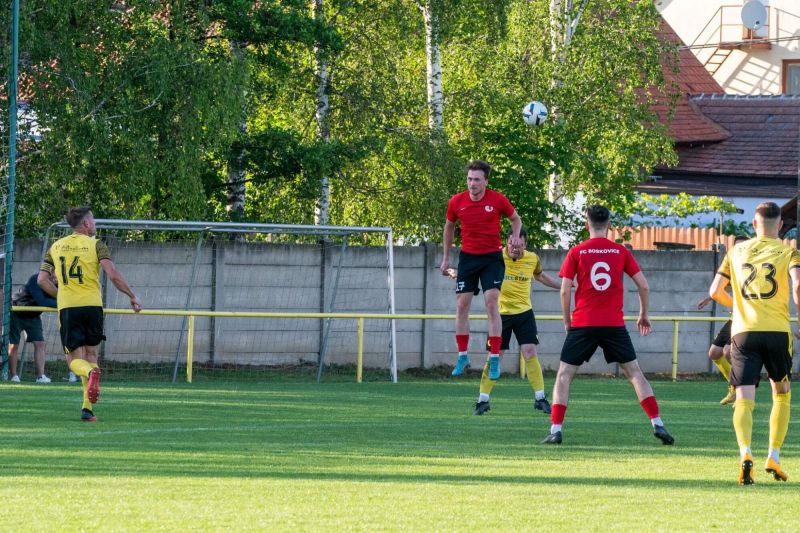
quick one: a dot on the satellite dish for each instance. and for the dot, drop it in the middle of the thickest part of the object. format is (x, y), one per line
(754, 15)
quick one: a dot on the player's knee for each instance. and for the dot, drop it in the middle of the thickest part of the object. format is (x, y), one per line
(528, 353)
(715, 352)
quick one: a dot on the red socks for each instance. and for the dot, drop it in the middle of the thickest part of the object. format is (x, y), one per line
(650, 406)
(557, 413)
(462, 341)
(494, 345)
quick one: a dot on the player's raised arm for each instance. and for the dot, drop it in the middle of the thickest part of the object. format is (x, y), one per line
(717, 291)
(119, 282)
(643, 287)
(516, 226)
(703, 302)
(546, 279)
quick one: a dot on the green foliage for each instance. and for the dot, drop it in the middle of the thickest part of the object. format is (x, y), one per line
(730, 227)
(145, 107)
(666, 210)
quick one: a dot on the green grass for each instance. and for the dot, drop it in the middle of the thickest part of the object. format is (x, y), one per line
(338, 456)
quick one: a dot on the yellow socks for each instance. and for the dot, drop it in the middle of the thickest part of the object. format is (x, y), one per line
(779, 419)
(486, 383)
(81, 367)
(86, 403)
(534, 372)
(724, 367)
(743, 421)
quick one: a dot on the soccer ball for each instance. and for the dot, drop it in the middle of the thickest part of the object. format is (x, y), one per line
(534, 113)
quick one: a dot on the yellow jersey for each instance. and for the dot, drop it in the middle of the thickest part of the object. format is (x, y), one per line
(75, 260)
(759, 273)
(515, 294)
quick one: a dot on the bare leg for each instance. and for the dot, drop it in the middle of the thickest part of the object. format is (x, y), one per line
(13, 356)
(38, 357)
(566, 373)
(463, 304)
(491, 298)
(635, 376)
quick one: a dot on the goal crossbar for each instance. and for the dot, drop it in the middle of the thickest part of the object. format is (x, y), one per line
(207, 227)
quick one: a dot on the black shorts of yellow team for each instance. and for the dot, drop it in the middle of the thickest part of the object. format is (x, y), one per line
(723, 337)
(488, 269)
(522, 325)
(753, 350)
(81, 326)
(581, 344)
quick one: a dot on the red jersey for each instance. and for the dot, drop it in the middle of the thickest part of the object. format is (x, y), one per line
(598, 264)
(480, 221)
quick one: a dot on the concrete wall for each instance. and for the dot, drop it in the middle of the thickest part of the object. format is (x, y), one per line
(232, 276)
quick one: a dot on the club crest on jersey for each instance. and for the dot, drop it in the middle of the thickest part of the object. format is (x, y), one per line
(489, 208)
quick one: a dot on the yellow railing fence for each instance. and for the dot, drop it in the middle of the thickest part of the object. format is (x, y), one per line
(360, 318)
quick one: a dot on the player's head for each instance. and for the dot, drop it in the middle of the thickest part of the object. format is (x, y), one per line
(477, 176)
(81, 220)
(597, 217)
(740, 238)
(768, 219)
(515, 252)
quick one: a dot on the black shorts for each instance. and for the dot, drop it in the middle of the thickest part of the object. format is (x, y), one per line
(489, 269)
(581, 343)
(32, 326)
(522, 325)
(723, 336)
(81, 326)
(752, 350)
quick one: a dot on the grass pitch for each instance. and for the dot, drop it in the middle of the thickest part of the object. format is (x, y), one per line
(376, 456)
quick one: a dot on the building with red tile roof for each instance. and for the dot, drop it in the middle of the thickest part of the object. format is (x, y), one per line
(742, 148)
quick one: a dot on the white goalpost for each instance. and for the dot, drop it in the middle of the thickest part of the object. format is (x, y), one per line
(213, 266)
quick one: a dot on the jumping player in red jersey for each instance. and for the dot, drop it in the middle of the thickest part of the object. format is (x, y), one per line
(599, 265)
(479, 210)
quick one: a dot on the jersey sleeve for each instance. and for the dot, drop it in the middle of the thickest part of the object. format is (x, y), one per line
(505, 206)
(725, 267)
(452, 212)
(47, 264)
(794, 261)
(102, 251)
(537, 265)
(631, 265)
(569, 267)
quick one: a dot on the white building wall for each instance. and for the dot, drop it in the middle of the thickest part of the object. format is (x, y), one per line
(747, 71)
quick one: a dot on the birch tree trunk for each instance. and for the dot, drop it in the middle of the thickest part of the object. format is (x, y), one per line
(562, 27)
(433, 70)
(322, 207)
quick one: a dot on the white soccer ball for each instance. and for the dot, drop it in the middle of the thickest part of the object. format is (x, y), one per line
(534, 113)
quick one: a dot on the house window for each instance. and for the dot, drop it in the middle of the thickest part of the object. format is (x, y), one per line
(791, 76)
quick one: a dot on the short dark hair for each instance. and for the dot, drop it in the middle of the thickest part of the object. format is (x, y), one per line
(522, 233)
(768, 210)
(598, 215)
(76, 215)
(740, 238)
(477, 164)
